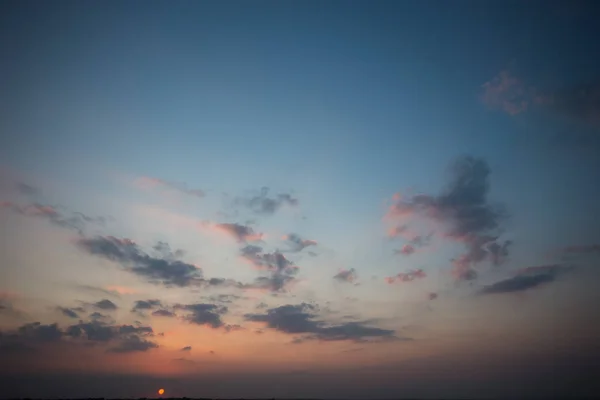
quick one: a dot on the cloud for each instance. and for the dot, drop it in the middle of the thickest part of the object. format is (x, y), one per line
(464, 213)
(26, 190)
(75, 221)
(580, 102)
(147, 182)
(406, 250)
(582, 249)
(34, 336)
(186, 348)
(302, 319)
(166, 271)
(407, 276)
(242, 233)
(433, 296)
(263, 204)
(526, 279)
(296, 243)
(69, 312)
(105, 304)
(146, 305)
(349, 275)
(204, 314)
(506, 93)
(163, 313)
(282, 271)
(133, 344)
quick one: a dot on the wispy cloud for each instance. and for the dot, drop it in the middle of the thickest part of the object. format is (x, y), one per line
(75, 221)
(262, 204)
(151, 183)
(242, 233)
(526, 279)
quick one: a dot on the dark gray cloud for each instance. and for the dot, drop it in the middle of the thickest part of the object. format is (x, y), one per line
(133, 344)
(146, 305)
(526, 279)
(204, 314)
(348, 276)
(281, 270)
(74, 221)
(263, 204)
(105, 304)
(465, 213)
(177, 186)
(297, 243)
(69, 312)
(163, 313)
(302, 319)
(165, 271)
(121, 338)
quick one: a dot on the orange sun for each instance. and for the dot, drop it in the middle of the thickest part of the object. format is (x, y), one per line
(161, 391)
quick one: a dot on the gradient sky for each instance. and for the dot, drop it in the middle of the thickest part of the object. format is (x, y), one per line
(340, 199)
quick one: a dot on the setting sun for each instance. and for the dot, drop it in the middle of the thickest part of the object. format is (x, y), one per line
(161, 391)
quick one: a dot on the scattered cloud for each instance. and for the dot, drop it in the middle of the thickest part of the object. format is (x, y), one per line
(302, 319)
(120, 338)
(464, 214)
(525, 279)
(133, 344)
(186, 348)
(282, 271)
(507, 93)
(406, 250)
(204, 314)
(147, 182)
(407, 276)
(433, 296)
(163, 313)
(346, 275)
(263, 204)
(242, 233)
(70, 312)
(146, 305)
(167, 271)
(296, 243)
(106, 305)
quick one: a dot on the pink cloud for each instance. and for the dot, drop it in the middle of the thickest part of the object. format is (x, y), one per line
(407, 249)
(153, 183)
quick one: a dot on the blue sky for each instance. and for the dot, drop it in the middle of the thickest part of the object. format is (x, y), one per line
(118, 110)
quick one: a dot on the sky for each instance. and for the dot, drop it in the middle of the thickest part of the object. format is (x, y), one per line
(334, 199)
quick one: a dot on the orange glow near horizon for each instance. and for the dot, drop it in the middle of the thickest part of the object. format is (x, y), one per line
(161, 391)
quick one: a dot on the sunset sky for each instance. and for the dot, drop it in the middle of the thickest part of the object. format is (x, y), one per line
(338, 199)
